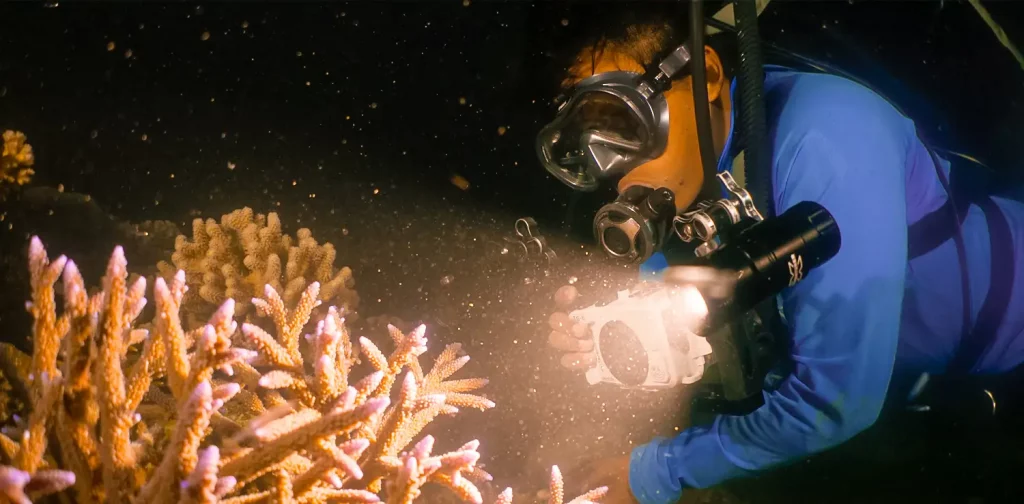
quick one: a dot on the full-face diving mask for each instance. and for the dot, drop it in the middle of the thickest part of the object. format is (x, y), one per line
(606, 126)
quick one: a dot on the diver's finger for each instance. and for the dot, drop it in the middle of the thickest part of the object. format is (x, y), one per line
(581, 331)
(565, 296)
(578, 361)
(562, 341)
(561, 321)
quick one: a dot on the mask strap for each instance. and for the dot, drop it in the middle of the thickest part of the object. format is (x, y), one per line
(668, 65)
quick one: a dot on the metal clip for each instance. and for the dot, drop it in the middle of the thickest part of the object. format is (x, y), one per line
(745, 200)
(529, 242)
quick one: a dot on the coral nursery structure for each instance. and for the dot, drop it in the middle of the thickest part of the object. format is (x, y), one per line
(236, 257)
(129, 412)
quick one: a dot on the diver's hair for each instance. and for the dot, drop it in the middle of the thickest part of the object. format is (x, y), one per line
(640, 30)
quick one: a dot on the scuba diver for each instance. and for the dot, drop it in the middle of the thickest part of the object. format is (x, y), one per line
(927, 278)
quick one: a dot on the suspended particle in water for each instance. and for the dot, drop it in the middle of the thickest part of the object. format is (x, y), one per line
(462, 100)
(373, 105)
(376, 191)
(245, 24)
(145, 137)
(344, 231)
(298, 54)
(93, 134)
(565, 22)
(111, 46)
(502, 130)
(231, 166)
(460, 182)
(573, 280)
(128, 54)
(224, 134)
(308, 83)
(205, 36)
(447, 279)
(465, 3)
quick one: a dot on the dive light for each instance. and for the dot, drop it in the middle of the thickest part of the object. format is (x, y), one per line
(763, 258)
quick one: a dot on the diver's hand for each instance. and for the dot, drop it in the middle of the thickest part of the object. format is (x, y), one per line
(567, 336)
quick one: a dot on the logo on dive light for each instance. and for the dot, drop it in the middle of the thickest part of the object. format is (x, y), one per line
(796, 269)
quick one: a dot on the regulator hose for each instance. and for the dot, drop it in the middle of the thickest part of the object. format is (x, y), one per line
(701, 107)
(750, 84)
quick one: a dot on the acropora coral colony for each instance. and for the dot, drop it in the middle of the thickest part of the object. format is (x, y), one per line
(16, 160)
(123, 411)
(236, 257)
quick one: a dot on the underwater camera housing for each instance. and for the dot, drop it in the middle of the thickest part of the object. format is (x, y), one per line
(649, 338)
(643, 338)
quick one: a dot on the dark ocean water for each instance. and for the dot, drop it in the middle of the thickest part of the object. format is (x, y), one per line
(352, 120)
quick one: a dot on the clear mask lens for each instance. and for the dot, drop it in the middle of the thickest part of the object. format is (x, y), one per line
(610, 116)
(599, 134)
(605, 129)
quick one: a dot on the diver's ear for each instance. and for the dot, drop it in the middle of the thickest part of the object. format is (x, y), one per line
(715, 74)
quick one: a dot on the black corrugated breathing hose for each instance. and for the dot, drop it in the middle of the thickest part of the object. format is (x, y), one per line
(701, 107)
(750, 87)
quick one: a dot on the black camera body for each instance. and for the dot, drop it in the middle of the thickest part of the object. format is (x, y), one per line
(744, 326)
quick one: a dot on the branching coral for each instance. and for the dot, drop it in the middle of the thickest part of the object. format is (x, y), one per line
(237, 257)
(16, 160)
(166, 415)
(309, 381)
(88, 377)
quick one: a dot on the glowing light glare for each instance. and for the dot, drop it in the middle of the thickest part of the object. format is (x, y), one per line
(692, 301)
(714, 284)
(687, 308)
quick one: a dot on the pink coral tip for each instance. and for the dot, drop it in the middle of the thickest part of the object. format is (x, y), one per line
(505, 497)
(118, 255)
(70, 270)
(347, 399)
(225, 312)
(409, 385)
(35, 245)
(226, 391)
(355, 446)
(376, 405)
(424, 447)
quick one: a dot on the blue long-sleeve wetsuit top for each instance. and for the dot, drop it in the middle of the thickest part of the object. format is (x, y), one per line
(865, 312)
